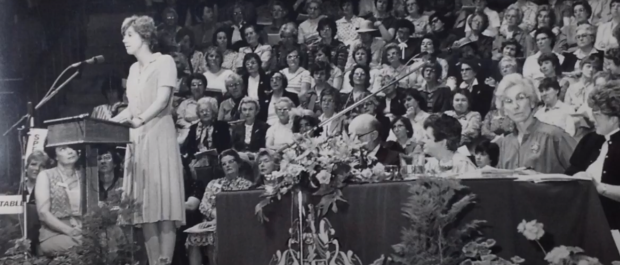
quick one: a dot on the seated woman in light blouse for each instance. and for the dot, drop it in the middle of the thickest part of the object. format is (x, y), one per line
(222, 43)
(216, 75)
(546, 148)
(298, 78)
(362, 56)
(441, 140)
(280, 134)
(604, 36)
(470, 120)
(255, 45)
(324, 55)
(597, 154)
(58, 197)
(554, 111)
(186, 111)
(229, 109)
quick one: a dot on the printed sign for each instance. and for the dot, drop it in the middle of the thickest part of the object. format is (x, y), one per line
(11, 204)
(36, 141)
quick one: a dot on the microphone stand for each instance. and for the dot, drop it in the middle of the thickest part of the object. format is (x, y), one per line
(23, 144)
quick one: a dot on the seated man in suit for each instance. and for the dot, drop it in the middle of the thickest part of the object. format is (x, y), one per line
(249, 136)
(367, 129)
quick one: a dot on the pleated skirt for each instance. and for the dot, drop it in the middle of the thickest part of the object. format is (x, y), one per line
(153, 182)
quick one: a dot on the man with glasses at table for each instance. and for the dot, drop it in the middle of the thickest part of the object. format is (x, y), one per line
(367, 129)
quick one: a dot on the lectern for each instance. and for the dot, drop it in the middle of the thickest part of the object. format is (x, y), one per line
(87, 133)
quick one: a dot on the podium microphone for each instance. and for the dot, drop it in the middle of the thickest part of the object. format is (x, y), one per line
(95, 60)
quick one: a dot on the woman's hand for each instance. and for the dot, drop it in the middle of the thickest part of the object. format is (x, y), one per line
(490, 82)
(118, 119)
(75, 232)
(135, 122)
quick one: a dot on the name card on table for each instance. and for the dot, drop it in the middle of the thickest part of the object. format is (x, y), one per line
(11, 204)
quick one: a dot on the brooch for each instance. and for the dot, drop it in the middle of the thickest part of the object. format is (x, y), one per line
(535, 148)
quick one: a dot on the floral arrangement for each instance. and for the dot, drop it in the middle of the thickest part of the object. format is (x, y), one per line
(103, 241)
(321, 167)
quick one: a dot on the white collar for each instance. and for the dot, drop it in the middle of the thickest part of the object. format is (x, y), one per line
(608, 136)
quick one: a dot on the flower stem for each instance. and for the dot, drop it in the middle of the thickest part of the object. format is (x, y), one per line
(541, 247)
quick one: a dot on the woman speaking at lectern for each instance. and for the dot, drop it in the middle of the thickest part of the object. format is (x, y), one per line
(153, 171)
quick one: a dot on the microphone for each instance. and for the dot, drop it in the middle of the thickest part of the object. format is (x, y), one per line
(95, 60)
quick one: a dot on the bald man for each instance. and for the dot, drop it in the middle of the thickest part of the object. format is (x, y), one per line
(367, 129)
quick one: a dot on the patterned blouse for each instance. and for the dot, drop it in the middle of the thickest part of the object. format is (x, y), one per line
(231, 61)
(347, 29)
(422, 25)
(495, 124)
(470, 123)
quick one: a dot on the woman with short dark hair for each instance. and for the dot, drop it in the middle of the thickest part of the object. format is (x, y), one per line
(113, 92)
(442, 139)
(256, 45)
(186, 43)
(470, 120)
(486, 153)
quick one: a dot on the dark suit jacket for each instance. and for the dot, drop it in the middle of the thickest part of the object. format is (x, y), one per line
(481, 97)
(388, 157)
(264, 98)
(385, 126)
(221, 140)
(570, 59)
(263, 85)
(443, 100)
(397, 107)
(259, 130)
(586, 152)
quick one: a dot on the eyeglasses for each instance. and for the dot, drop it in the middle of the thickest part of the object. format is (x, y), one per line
(292, 56)
(466, 69)
(364, 134)
(277, 78)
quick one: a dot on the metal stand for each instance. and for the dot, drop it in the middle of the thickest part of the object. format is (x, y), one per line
(23, 144)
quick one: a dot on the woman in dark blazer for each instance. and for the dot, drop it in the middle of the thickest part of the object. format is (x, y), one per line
(208, 133)
(249, 111)
(597, 154)
(275, 90)
(252, 71)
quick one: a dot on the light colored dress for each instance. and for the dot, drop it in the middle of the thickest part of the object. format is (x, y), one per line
(153, 169)
(207, 207)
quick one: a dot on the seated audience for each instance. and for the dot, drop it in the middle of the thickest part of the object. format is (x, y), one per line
(611, 64)
(545, 40)
(605, 39)
(470, 120)
(437, 95)
(442, 139)
(280, 134)
(288, 42)
(186, 44)
(392, 104)
(256, 45)
(308, 33)
(402, 128)
(406, 43)
(304, 125)
(496, 124)
(366, 39)
(535, 145)
(269, 98)
(554, 111)
(186, 111)
(325, 54)
(110, 164)
(35, 163)
(481, 94)
(229, 58)
(349, 23)
(486, 153)
(268, 161)
(298, 77)
(361, 56)
(230, 161)
(113, 92)
(249, 136)
(58, 197)
(550, 68)
(216, 75)
(208, 133)
(229, 109)
(321, 74)
(254, 77)
(416, 107)
(330, 105)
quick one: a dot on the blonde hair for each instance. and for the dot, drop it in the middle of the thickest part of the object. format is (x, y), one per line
(245, 100)
(144, 26)
(286, 100)
(233, 78)
(519, 12)
(208, 103)
(589, 29)
(289, 28)
(516, 80)
(216, 51)
(508, 61)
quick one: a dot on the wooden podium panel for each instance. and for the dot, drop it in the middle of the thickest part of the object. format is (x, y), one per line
(87, 133)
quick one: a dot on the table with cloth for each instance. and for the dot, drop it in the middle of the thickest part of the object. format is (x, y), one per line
(372, 220)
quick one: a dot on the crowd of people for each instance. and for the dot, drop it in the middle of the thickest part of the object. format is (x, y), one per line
(532, 87)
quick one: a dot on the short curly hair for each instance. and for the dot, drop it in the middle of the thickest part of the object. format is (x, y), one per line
(145, 27)
(614, 55)
(606, 99)
(445, 128)
(516, 80)
(289, 28)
